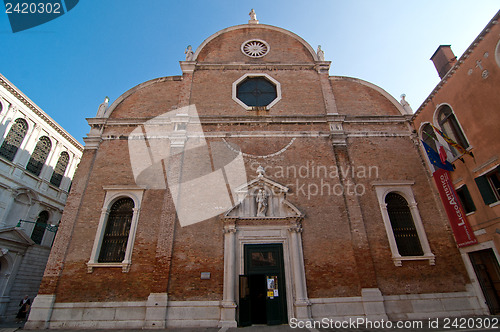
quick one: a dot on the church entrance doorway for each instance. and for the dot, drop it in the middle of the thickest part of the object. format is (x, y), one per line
(262, 298)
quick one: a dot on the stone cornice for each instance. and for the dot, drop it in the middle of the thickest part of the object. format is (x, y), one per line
(460, 61)
(38, 111)
(255, 66)
(269, 119)
(93, 144)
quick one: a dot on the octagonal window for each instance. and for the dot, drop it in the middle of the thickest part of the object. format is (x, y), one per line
(256, 91)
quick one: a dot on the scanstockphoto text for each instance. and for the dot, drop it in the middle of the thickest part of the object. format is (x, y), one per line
(311, 180)
(446, 323)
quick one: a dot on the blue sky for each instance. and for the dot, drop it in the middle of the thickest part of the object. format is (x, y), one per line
(105, 47)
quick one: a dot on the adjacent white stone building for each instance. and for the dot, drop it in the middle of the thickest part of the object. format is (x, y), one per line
(38, 159)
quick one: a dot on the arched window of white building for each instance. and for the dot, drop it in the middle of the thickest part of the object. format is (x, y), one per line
(40, 226)
(39, 156)
(60, 168)
(14, 139)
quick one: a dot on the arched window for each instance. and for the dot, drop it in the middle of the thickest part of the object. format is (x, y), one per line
(449, 125)
(403, 227)
(14, 139)
(39, 156)
(429, 136)
(39, 229)
(61, 165)
(114, 242)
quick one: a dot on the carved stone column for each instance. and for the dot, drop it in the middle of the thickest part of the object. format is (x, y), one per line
(228, 305)
(301, 301)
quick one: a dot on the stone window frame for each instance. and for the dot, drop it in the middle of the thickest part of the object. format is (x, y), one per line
(497, 53)
(40, 227)
(403, 188)
(114, 193)
(440, 139)
(40, 154)
(450, 150)
(59, 171)
(271, 79)
(3, 105)
(8, 131)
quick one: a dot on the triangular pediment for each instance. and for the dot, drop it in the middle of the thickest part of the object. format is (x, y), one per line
(15, 235)
(263, 198)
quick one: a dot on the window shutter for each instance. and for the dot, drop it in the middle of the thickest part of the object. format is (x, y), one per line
(485, 190)
(466, 199)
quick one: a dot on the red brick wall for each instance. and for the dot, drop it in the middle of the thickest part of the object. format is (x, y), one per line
(344, 249)
(226, 48)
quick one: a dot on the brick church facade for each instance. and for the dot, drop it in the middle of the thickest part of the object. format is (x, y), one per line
(254, 188)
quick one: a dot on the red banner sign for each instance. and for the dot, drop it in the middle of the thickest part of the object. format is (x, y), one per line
(464, 235)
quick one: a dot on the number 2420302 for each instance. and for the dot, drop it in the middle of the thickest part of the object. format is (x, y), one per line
(33, 8)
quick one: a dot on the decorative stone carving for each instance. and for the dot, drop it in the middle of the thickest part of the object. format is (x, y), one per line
(255, 48)
(261, 171)
(253, 17)
(297, 228)
(189, 53)
(229, 229)
(261, 200)
(102, 108)
(321, 53)
(405, 104)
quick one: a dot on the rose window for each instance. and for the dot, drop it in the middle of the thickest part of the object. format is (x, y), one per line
(255, 48)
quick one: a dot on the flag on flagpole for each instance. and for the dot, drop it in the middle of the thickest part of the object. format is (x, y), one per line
(435, 159)
(442, 153)
(457, 146)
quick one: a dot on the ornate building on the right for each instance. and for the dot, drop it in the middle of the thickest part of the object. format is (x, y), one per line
(465, 108)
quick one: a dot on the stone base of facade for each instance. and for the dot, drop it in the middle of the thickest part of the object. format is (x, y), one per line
(157, 312)
(422, 306)
(397, 307)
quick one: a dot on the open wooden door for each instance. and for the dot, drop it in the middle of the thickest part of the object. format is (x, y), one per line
(244, 307)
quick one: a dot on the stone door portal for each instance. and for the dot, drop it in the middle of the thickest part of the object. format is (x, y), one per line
(262, 287)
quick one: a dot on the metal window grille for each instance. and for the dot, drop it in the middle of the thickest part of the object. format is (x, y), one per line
(39, 229)
(14, 139)
(403, 226)
(60, 168)
(39, 156)
(256, 91)
(114, 243)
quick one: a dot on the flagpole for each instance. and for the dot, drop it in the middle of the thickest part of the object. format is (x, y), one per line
(441, 144)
